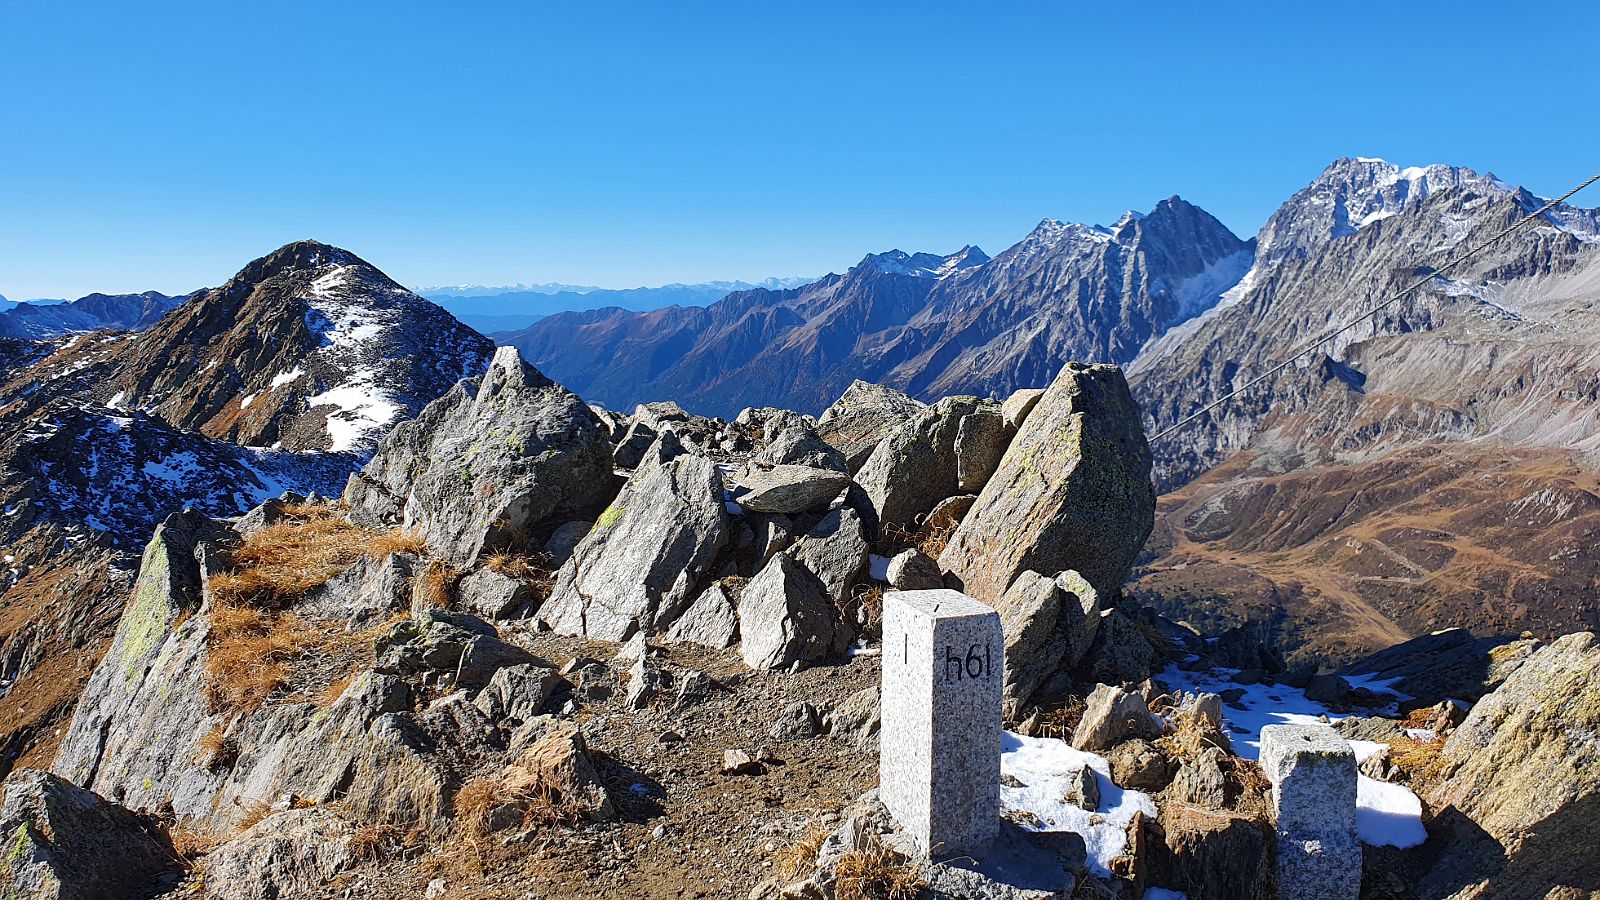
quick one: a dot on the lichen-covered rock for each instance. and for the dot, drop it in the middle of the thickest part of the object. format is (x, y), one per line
(65, 843)
(1049, 625)
(915, 467)
(650, 552)
(1112, 715)
(559, 762)
(1073, 491)
(864, 415)
(292, 853)
(980, 443)
(786, 615)
(1016, 407)
(1138, 765)
(1525, 771)
(788, 488)
(1212, 854)
(1127, 648)
(480, 470)
(791, 439)
(153, 674)
(1201, 781)
(1447, 663)
(517, 692)
(495, 595)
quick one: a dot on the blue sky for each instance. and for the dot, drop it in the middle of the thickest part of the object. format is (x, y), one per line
(163, 145)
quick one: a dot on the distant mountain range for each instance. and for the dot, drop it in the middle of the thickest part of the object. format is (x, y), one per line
(1421, 471)
(492, 310)
(46, 319)
(927, 324)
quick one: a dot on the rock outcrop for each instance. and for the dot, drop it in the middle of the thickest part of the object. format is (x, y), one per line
(66, 843)
(650, 553)
(483, 469)
(1073, 492)
(1520, 809)
(863, 416)
(920, 463)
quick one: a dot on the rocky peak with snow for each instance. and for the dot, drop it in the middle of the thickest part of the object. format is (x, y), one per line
(307, 348)
(924, 265)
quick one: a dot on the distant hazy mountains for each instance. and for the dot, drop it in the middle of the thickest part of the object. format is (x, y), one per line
(492, 310)
(91, 313)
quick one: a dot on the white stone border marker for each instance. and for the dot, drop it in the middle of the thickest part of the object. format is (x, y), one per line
(1313, 775)
(939, 746)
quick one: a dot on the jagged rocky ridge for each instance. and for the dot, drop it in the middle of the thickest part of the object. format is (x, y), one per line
(925, 325)
(95, 312)
(104, 434)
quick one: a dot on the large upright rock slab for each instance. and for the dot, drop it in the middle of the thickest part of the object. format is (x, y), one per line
(65, 843)
(479, 469)
(917, 465)
(649, 554)
(158, 640)
(1526, 776)
(1072, 492)
(864, 415)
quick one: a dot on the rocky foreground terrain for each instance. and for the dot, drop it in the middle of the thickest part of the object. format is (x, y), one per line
(537, 648)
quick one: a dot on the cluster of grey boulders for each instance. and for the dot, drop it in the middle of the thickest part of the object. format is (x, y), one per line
(759, 532)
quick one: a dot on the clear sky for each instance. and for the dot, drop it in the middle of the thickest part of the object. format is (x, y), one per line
(163, 145)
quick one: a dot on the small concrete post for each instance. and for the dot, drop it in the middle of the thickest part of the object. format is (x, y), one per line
(1313, 775)
(939, 746)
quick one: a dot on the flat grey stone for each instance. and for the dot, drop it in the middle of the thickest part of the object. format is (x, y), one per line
(788, 488)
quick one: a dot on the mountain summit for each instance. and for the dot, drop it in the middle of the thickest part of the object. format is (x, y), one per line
(307, 348)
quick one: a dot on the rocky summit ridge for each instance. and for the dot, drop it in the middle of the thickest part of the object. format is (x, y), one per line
(313, 594)
(541, 646)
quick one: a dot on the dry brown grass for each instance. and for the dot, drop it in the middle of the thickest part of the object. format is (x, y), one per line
(1189, 737)
(932, 541)
(541, 805)
(283, 561)
(802, 854)
(438, 587)
(894, 538)
(253, 643)
(519, 565)
(215, 750)
(191, 842)
(254, 812)
(876, 872)
(375, 843)
(1421, 761)
(1059, 720)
